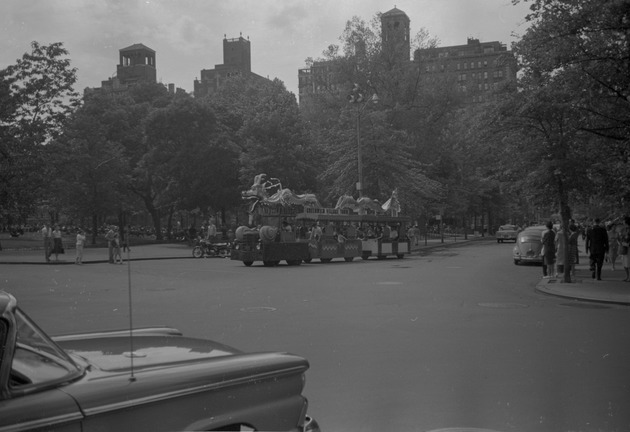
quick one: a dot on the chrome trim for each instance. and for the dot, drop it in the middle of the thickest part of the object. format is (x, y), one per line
(48, 422)
(189, 391)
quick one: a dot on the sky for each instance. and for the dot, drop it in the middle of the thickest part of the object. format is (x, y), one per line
(187, 35)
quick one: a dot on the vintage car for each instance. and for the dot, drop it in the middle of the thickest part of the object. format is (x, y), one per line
(528, 245)
(156, 381)
(507, 232)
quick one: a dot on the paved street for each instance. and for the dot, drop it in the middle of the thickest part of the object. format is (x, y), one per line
(449, 337)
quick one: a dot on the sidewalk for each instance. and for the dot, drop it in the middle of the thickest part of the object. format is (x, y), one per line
(94, 255)
(611, 289)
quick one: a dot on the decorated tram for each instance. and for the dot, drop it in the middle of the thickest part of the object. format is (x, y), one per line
(294, 228)
(348, 235)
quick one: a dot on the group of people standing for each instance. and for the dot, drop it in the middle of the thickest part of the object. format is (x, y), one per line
(116, 244)
(601, 244)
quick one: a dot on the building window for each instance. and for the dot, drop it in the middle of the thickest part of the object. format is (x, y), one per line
(479, 64)
(458, 66)
(472, 65)
(485, 75)
(465, 65)
(485, 63)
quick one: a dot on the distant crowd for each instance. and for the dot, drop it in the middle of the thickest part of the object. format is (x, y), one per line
(603, 241)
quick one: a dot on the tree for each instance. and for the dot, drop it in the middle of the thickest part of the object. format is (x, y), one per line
(263, 119)
(90, 167)
(195, 166)
(389, 131)
(584, 44)
(36, 95)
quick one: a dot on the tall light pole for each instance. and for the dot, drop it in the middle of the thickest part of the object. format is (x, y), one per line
(357, 98)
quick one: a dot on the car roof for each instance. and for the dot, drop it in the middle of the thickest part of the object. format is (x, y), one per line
(535, 228)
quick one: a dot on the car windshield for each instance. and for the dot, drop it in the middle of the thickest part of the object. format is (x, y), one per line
(507, 228)
(37, 359)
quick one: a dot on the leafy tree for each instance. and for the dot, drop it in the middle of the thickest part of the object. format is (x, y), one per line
(36, 95)
(584, 45)
(91, 170)
(263, 119)
(196, 167)
(389, 131)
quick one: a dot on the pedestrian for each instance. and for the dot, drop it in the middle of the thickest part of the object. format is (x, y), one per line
(57, 243)
(613, 252)
(47, 237)
(597, 244)
(573, 248)
(110, 245)
(116, 247)
(79, 246)
(624, 241)
(561, 251)
(548, 251)
(124, 237)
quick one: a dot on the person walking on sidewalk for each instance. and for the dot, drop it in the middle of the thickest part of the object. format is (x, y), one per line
(548, 251)
(597, 244)
(47, 237)
(57, 243)
(573, 248)
(624, 242)
(79, 247)
(613, 253)
(110, 244)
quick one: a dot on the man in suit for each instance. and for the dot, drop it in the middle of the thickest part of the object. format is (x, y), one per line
(597, 244)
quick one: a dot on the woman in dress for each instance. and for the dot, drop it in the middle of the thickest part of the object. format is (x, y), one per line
(574, 235)
(613, 251)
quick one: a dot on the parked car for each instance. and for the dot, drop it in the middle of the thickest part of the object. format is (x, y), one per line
(528, 245)
(167, 382)
(507, 233)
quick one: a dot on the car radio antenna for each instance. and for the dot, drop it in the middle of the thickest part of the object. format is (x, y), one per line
(131, 352)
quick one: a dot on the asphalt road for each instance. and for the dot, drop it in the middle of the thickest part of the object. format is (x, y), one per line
(454, 338)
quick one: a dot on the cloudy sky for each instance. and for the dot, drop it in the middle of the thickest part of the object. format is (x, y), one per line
(187, 35)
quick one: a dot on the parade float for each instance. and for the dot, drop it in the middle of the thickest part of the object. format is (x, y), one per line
(284, 226)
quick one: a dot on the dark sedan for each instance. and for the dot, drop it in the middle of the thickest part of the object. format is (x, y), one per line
(156, 381)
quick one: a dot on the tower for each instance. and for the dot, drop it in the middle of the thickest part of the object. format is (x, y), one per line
(395, 34)
(237, 53)
(137, 64)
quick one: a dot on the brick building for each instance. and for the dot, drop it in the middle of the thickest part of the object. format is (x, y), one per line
(136, 65)
(479, 68)
(237, 60)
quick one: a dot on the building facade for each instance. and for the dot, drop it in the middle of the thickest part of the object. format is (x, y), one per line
(479, 68)
(237, 60)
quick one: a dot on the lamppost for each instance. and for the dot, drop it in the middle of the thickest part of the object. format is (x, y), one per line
(357, 98)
